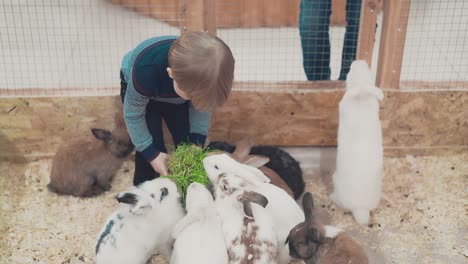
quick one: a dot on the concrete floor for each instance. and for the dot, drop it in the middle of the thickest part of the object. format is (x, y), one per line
(80, 43)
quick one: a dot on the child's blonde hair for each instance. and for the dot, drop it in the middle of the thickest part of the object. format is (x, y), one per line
(203, 67)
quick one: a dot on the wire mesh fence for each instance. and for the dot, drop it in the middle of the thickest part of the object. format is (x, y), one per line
(73, 46)
(436, 46)
(285, 49)
(69, 44)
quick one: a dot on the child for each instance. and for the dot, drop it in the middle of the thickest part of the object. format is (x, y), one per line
(180, 80)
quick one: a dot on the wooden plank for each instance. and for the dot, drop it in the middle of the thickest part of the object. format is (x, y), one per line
(195, 20)
(367, 27)
(228, 13)
(434, 85)
(392, 43)
(198, 15)
(338, 16)
(251, 85)
(142, 6)
(293, 13)
(275, 13)
(285, 116)
(108, 91)
(251, 13)
(166, 10)
(210, 16)
(310, 117)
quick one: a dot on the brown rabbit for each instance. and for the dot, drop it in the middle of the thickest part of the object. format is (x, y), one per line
(85, 166)
(318, 244)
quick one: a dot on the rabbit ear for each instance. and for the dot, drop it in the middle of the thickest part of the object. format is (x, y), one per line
(247, 208)
(253, 175)
(139, 204)
(242, 150)
(127, 198)
(255, 197)
(252, 197)
(102, 134)
(256, 160)
(308, 204)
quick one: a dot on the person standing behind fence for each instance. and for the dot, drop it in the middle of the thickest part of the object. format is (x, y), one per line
(314, 24)
(176, 79)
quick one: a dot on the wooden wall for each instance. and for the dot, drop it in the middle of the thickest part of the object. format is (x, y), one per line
(235, 13)
(282, 115)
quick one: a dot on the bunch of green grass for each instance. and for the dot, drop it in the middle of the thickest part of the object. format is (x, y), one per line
(185, 166)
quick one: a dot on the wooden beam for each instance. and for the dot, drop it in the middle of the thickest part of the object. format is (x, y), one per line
(392, 43)
(228, 13)
(434, 85)
(108, 91)
(194, 11)
(198, 15)
(251, 13)
(338, 16)
(210, 16)
(367, 27)
(285, 115)
(275, 13)
(293, 13)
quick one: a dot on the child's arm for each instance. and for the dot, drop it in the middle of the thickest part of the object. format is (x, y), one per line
(199, 125)
(134, 114)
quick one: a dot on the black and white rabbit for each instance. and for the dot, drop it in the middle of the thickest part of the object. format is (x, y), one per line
(142, 226)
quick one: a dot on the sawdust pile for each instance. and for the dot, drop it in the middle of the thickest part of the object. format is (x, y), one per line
(422, 217)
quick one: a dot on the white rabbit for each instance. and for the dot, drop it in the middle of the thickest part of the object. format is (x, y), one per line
(142, 226)
(216, 164)
(359, 162)
(282, 208)
(198, 236)
(247, 228)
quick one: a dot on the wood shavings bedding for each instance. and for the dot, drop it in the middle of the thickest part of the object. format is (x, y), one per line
(422, 217)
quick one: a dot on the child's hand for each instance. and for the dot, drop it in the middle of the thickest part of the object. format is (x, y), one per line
(159, 164)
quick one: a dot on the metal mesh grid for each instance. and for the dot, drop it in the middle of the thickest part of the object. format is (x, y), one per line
(78, 45)
(70, 44)
(436, 46)
(279, 52)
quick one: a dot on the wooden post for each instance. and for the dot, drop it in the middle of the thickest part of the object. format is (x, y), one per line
(210, 16)
(228, 13)
(251, 13)
(338, 16)
(367, 27)
(198, 15)
(392, 43)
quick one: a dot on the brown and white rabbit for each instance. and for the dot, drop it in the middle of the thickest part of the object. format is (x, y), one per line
(85, 166)
(282, 169)
(246, 225)
(282, 208)
(316, 243)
